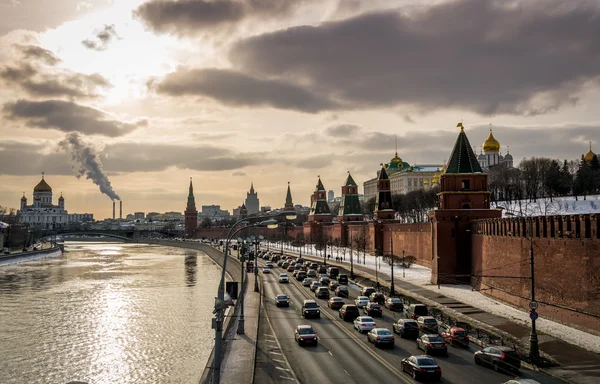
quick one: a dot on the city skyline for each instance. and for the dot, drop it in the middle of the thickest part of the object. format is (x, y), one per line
(248, 93)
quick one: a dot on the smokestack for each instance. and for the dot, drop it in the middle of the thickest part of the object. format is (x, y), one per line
(120, 210)
(114, 204)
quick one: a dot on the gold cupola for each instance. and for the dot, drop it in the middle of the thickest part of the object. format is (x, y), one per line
(588, 157)
(491, 144)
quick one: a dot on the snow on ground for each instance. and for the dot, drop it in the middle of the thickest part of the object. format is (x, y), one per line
(558, 206)
(420, 275)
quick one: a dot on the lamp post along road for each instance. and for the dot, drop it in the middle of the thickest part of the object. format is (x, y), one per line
(392, 256)
(351, 259)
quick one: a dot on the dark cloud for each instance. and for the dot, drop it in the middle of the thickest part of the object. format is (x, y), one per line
(238, 89)
(193, 17)
(48, 81)
(67, 116)
(408, 119)
(31, 159)
(490, 57)
(101, 38)
(36, 53)
(342, 130)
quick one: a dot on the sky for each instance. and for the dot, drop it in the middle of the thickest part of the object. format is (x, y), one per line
(128, 99)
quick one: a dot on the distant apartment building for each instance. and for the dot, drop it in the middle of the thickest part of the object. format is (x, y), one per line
(213, 212)
(151, 215)
(139, 215)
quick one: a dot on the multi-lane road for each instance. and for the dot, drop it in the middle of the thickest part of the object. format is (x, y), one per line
(345, 356)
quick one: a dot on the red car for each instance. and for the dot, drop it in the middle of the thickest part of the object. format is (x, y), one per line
(455, 336)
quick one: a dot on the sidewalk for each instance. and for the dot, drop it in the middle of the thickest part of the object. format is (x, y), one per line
(577, 364)
(240, 350)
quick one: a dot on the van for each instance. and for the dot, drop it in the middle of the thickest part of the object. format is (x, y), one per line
(415, 311)
(333, 272)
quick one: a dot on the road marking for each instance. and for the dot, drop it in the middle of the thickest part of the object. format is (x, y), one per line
(276, 353)
(279, 361)
(330, 353)
(287, 378)
(268, 335)
(347, 373)
(282, 369)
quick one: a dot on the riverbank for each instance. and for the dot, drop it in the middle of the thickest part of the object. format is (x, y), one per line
(53, 250)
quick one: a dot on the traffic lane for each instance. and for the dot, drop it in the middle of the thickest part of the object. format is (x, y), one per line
(352, 357)
(310, 364)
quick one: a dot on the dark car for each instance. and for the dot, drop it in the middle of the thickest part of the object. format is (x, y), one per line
(503, 359)
(343, 279)
(422, 367)
(342, 291)
(335, 303)
(415, 310)
(310, 308)
(377, 297)
(313, 266)
(301, 276)
(454, 335)
(373, 309)
(432, 344)
(291, 268)
(282, 300)
(349, 312)
(366, 291)
(333, 284)
(305, 334)
(394, 304)
(322, 293)
(406, 328)
(322, 269)
(333, 272)
(427, 324)
(380, 337)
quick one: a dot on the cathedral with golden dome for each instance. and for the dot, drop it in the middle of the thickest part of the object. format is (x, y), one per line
(588, 157)
(490, 154)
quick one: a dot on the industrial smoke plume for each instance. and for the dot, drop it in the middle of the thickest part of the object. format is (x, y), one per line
(86, 162)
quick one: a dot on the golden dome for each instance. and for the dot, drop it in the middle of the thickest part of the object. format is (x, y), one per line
(443, 170)
(426, 182)
(396, 159)
(590, 155)
(42, 186)
(491, 144)
(61, 198)
(23, 198)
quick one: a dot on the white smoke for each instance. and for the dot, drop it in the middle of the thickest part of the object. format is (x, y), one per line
(86, 162)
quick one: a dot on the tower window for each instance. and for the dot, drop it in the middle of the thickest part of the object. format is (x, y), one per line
(466, 185)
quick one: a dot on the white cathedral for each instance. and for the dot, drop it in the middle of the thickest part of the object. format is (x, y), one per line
(490, 155)
(43, 213)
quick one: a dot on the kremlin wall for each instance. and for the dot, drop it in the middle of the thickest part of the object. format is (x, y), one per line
(467, 242)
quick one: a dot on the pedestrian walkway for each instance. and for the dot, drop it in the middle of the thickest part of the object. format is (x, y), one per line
(577, 365)
(240, 350)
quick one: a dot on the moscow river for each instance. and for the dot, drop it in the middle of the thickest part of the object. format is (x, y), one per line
(107, 313)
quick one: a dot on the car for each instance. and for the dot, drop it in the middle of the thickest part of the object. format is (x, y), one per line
(307, 282)
(335, 303)
(343, 279)
(522, 381)
(377, 297)
(276, 258)
(364, 323)
(454, 335)
(366, 291)
(269, 264)
(406, 328)
(315, 285)
(305, 334)
(322, 269)
(285, 266)
(295, 273)
(6, 251)
(282, 300)
(348, 312)
(284, 278)
(311, 273)
(322, 293)
(290, 268)
(266, 270)
(333, 272)
(381, 337)
(324, 280)
(314, 266)
(432, 344)
(280, 263)
(427, 324)
(503, 359)
(342, 291)
(310, 308)
(301, 276)
(421, 367)
(373, 309)
(415, 310)
(394, 304)
(361, 301)
(333, 284)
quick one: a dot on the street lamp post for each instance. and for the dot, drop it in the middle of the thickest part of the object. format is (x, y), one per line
(351, 259)
(403, 265)
(392, 263)
(241, 321)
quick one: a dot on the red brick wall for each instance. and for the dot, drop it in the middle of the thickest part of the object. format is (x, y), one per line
(567, 269)
(413, 239)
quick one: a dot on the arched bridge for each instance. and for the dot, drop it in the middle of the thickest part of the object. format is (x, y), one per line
(125, 235)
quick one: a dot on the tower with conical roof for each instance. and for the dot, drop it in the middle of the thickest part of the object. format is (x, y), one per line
(383, 201)
(350, 205)
(289, 204)
(252, 203)
(191, 214)
(319, 209)
(463, 185)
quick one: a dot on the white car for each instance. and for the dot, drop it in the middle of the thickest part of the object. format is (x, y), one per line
(284, 278)
(361, 301)
(307, 282)
(364, 323)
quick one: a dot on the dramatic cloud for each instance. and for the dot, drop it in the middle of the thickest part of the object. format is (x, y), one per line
(193, 17)
(490, 57)
(238, 89)
(67, 116)
(31, 159)
(342, 130)
(102, 38)
(48, 81)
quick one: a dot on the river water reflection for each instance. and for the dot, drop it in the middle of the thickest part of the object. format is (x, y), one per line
(107, 313)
